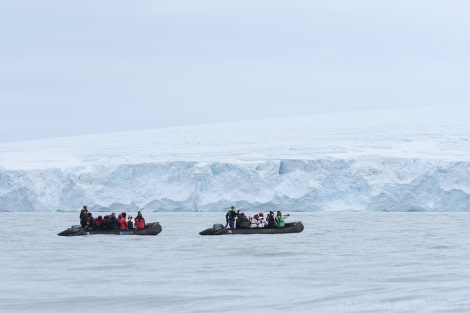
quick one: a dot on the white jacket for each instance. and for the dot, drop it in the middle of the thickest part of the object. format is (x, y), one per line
(253, 222)
(262, 222)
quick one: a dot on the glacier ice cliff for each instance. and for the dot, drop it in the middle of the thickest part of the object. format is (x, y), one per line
(360, 184)
(408, 159)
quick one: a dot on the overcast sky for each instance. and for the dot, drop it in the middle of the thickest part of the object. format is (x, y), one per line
(91, 66)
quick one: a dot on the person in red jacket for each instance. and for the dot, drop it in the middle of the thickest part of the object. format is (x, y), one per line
(139, 221)
(122, 221)
(98, 222)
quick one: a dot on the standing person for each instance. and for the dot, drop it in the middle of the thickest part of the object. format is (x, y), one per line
(270, 218)
(83, 216)
(280, 219)
(139, 221)
(230, 217)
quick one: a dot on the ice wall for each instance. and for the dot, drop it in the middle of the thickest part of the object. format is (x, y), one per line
(327, 184)
(403, 159)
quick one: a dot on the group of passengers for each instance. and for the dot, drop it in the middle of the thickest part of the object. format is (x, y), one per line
(240, 220)
(110, 222)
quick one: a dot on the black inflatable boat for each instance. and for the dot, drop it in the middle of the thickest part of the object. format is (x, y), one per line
(77, 230)
(219, 229)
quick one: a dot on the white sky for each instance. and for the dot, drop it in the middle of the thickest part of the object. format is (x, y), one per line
(78, 67)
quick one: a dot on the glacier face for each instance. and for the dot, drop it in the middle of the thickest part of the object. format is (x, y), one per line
(398, 160)
(364, 184)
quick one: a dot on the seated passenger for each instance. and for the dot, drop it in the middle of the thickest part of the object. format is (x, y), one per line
(130, 223)
(242, 221)
(280, 219)
(90, 222)
(105, 225)
(261, 221)
(139, 221)
(113, 222)
(98, 222)
(122, 221)
(254, 221)
(271, 222)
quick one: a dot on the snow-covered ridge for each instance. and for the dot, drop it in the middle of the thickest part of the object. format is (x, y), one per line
(397, 160)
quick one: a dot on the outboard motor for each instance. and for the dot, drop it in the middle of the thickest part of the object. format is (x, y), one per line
(217, 227)
(75, 228)
(71, 230)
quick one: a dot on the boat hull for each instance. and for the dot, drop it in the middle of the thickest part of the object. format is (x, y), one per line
(295, 227)
(149, 230)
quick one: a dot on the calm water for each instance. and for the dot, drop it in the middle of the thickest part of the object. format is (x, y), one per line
(342, 262)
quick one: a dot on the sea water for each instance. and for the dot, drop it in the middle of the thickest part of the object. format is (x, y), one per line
(341, 262)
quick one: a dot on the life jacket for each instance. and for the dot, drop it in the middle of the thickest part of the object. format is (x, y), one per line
(253, 222)
(261, 222)
(122, 223)
(97, 222)
(139, 223)
(280, 220)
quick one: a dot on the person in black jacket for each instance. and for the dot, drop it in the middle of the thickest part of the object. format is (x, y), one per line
(130, 222)
(113, 222)
(90, 222)
(230, 217)
(105, 225)
(242, 221)
(270, 219)
(84, 216)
